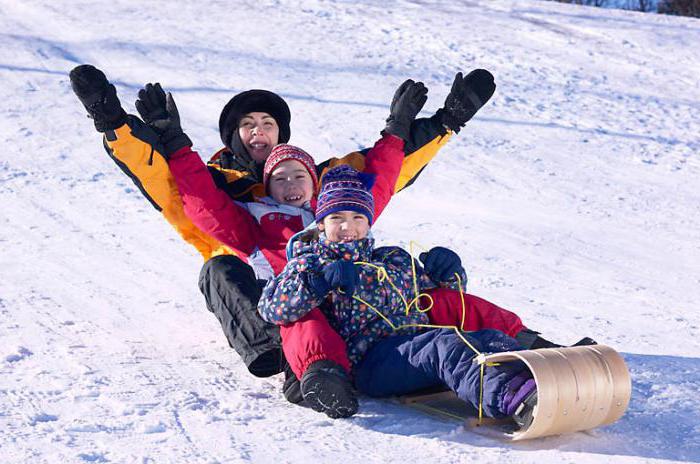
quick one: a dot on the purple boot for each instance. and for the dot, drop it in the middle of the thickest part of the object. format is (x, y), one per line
(520, 399)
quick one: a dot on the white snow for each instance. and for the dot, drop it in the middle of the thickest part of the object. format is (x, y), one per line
(573, 198)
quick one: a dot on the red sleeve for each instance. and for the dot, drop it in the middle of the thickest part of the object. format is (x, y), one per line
(210, 208)
(384, 160)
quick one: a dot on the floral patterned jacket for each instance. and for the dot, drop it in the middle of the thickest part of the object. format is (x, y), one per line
(376, 310)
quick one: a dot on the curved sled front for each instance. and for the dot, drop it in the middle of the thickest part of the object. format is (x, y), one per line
(578, 388)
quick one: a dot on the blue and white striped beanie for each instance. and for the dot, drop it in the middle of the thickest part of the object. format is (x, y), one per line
(345, 189)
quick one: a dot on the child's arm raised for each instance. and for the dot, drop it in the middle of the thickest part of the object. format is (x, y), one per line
(385, 158)
(384, 161)
(209, 208)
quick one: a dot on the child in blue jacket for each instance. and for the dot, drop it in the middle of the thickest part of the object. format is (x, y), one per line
(336, 269)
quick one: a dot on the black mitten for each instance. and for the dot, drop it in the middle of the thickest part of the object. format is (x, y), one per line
(98, 96)
(467, 95)
(158, 110)
(407, 103)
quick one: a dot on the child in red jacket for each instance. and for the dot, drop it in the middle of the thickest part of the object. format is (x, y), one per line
(260, 231)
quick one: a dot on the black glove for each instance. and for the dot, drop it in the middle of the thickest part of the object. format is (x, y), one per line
(466, 97)
(407, 103)
(158, 110)
(441, 264)
(339, 274)
(98, 96)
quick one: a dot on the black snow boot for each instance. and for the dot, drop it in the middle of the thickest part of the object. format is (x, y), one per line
(531, 340)
(326, 388)
(291, 387)
(585, 341)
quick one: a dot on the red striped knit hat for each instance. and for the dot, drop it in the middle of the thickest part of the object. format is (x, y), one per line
(285, 152)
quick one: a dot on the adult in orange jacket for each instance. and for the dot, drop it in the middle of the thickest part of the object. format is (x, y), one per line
(228, 283)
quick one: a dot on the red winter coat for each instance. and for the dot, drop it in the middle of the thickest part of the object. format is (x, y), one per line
(260, 231)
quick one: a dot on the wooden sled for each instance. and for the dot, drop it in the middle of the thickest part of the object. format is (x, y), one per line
(578, 388)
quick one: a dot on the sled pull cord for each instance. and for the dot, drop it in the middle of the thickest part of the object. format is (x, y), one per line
(382, 275)
(482, 364)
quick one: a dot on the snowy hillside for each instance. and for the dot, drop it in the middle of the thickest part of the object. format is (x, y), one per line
(573, 198)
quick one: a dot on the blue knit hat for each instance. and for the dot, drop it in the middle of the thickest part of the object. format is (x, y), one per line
(345, 189)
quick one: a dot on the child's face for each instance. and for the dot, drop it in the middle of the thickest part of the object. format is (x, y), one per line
(345, 226)
(259, 133)
(290, 183)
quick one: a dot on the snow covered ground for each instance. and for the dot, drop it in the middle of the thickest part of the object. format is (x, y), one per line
(573, 199)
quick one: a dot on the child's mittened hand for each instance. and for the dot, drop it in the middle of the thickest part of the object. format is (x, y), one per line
(152, 105)
(343, 275)
(441, 263)
(407, 103)
(159, 111)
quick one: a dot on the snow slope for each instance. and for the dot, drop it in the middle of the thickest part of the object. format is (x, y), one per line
(573, 199)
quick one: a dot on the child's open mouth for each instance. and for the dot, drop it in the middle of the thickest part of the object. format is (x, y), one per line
(292, 198)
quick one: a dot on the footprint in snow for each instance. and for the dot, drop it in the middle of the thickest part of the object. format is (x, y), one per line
(21, 354)
(93, 457)
(257, 395)
(154, 428)
(41, 418)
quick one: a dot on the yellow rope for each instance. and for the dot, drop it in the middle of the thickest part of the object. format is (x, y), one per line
(481, 390)
(383, 275)
(483, 364)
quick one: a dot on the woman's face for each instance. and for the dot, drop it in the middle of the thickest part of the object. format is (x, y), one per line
(345, 226)
(259, 133)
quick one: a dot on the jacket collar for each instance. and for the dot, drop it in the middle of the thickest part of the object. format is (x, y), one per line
(359, 250)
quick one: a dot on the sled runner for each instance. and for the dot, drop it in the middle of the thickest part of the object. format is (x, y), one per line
(441, 403)
(578, 388)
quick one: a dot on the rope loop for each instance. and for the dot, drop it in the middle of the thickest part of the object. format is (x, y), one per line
(383, 275)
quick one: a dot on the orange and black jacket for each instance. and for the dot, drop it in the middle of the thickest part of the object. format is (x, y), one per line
(137, 151)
